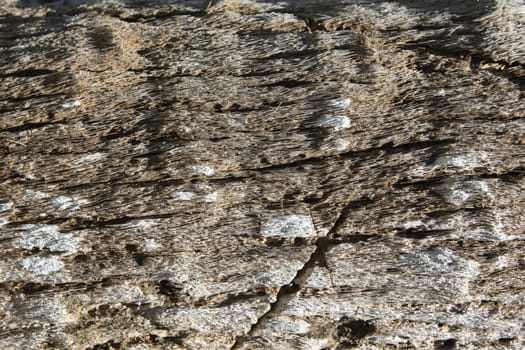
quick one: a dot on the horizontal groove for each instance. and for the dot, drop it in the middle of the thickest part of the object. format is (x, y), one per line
(289, 83)
(29, 73)
(389, 148)
(29, 126)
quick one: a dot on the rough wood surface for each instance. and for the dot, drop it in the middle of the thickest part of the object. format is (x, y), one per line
(246, 174)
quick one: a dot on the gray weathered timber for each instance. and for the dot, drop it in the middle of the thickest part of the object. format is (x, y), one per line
(249, 174)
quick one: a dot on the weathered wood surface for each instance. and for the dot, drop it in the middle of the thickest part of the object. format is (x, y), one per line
(262, 175)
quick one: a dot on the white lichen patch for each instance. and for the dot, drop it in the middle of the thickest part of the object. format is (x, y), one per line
(316, 343)
(183, 196)
(3, 208)
(341, 102)
(204, 319)
(144, 224)
(202, 169)
(439, 262)
(288, 226)
(65, 202)
(406, 224)
(501, 262)
(188, 196)
(318, 279)
(46, 236)
(138, 347)
(90, 158)
(70, 104)
(334, 122)
(339, 145)
(203, 187)
(458, 196)
(461, 192)
(35, 195)
(41, 266)
(466, 161)
(498, 228)
(285, 325)
(493, 225)
(484, 188)
(6, 206)
(151, 244)
(43, 308)
(245, 6)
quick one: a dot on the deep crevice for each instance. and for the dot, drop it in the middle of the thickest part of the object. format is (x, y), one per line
(318, 257)
(289, 83)
(388, 148)
(422, 234)
(28, 73)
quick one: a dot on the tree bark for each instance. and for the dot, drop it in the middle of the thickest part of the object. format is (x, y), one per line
(248, 174)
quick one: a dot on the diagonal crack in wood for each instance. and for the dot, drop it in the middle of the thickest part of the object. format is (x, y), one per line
(286, 292)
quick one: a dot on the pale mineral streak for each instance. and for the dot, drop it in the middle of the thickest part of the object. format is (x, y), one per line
(335, 122)
(70, 104)
(41, 266)
(68, 203)
(46, 236)
(202, 169)
(288, 226)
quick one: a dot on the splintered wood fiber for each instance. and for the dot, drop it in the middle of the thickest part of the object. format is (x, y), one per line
(262, 174)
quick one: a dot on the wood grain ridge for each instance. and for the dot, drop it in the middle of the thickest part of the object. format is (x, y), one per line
(244, 174)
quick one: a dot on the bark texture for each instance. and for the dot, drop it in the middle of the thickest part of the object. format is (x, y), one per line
(248, 174)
